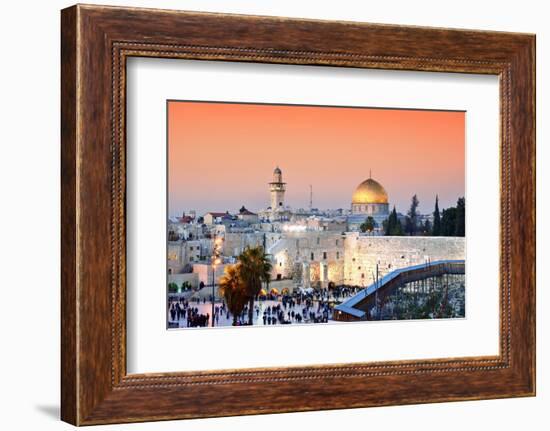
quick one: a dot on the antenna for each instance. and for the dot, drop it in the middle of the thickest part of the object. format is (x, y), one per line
(310, 197)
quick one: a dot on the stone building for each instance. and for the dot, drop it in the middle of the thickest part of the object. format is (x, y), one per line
(247, 216)
(211, 217)
(180, 254)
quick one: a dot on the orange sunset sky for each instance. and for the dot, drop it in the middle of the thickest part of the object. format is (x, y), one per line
(222, 155)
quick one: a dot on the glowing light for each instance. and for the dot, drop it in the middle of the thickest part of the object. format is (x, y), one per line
(294, 228)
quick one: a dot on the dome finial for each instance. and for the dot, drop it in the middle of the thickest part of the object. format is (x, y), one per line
(370, 173)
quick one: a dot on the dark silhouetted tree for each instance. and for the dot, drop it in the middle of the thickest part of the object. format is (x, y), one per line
(368, 225)
(233, 291)
(392, 225)
(427, 228)
(411, 224)
(448, 222)
(254, 269)
(436, 230)
(460, 229)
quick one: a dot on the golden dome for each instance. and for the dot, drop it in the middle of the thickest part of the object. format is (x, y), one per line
(369, 192)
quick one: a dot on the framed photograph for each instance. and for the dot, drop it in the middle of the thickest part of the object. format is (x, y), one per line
(258, 208)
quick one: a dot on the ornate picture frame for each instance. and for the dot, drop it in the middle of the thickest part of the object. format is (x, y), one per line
(96, 41)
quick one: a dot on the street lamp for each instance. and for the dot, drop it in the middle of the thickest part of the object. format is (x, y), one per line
(377, 308)
(215, 260)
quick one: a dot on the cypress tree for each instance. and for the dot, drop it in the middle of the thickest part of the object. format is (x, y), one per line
(412, 217)
(393, 225)
(436, 230)
(385, 226)
(397, 229)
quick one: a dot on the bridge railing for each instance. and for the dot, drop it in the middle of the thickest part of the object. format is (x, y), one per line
(351, 309)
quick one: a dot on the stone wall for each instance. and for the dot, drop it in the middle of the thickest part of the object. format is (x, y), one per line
(362, 252)
(235, 243)
(281, 284)
(204, 272)
(317, 258)
(290, 250)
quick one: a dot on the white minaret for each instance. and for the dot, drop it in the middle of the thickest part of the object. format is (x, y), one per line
(277, 189)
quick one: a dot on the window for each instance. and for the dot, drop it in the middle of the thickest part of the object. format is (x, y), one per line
(325, 255)
(312, 256)
(318, 240)
(362, 275)
(337, 255)
(280, 263)
(337, 241)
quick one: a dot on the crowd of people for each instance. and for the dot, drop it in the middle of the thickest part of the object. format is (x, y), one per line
(180, 309)
(314, 306)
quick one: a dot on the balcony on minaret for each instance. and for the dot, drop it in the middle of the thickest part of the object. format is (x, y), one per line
(277, 187)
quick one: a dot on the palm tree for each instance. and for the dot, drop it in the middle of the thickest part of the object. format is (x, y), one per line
(254, 268)
(233, 291)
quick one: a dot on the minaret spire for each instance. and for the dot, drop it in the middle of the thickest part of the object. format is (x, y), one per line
(277, 189)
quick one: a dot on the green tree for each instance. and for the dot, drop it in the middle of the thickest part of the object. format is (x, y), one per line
(233, 291)
(460, 228)
(368, 225)
(436, 230)
(392, 224)
(172, 287)
(254, 268)
(398, 228)
(427, 228)
(411, 224)
(448, 222)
